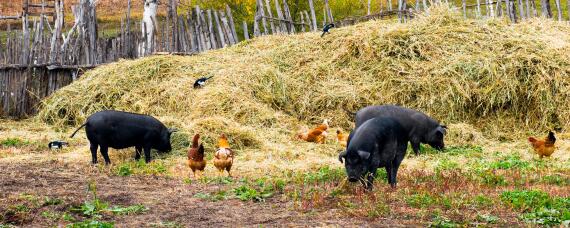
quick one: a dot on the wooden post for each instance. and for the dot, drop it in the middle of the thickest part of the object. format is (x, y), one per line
(400, 19)
(328, 12)
(479, 8)
(302, 21)
(54, 51)
(282, 26)
(381, 7)
(173, 15)
(417, 6)
(499, 8)
(313, 17)
(149, 17)
(528, 9)
(262, 14)
(546, 10)
(368, 8)
(256, 32)
(227, 29)
(558, 9)
(270, 13)
(490, 8)
(324, 17)
(464, 4)
(287, 15)
(521, 9)
(245, 32)
(426, 6)
(309, 22)
(231, 22)
(534, 9)
(211, 33)
(219, 26)
(389, 5)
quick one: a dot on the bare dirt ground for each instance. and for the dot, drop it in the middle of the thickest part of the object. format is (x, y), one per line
(170, 201)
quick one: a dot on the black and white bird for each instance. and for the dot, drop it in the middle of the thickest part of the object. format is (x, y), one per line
(201, 82)
(56, 145)
(327, 28)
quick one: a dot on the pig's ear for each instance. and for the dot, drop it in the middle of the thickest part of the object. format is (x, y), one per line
(442, 129)
(363, 154)
(341, 155)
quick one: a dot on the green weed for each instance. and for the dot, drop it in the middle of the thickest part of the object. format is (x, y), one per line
(53, 216)
(246, 193)
(556, 179)
(220, 195)
(13, 142)
(510, 162)
(324, 174)
(130, 210)
(488, 218)
(538, 206)
(442, 222)
(91, 224)
(422, 200)
(52, 201)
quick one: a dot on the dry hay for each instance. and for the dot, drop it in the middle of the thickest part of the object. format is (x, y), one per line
(504, 79)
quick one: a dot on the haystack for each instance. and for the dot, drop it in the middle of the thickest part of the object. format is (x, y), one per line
(505, 79)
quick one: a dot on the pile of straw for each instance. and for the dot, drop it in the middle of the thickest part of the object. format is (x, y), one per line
(504, 79)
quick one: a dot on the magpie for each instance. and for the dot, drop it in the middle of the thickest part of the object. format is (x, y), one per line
(326, 29)
(201, 82)
(56, 145)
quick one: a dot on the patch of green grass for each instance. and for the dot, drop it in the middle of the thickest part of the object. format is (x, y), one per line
(52, 201)
(130, 210)
(463, 150)
(556, 179)
(21, 208)
(324, 174)
(539, 207)
(379, 209)
(491, 178)
(14, 142)
(124, 170)
(216, 180)
(220, 195)
(510, 162)
(422, 200)
(487, 218)
(187, 180)
(526, 200)
(442, 222)
(167, 224)
(157, 167)
(446, 164)
(246, 193)
(50, 215)
(67, 217)
(483, 201)
(91, 224)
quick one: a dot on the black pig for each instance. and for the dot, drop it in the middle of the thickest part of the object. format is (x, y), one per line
(121, 130)
(378, 142)
(419, 127)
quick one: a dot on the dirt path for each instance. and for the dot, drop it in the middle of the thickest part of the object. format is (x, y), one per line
(169, 200)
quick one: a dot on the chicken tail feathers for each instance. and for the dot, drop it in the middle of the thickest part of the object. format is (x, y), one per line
(195, 141)
(551, 137)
